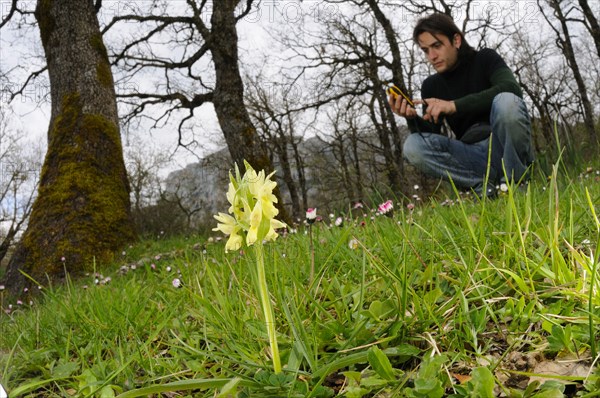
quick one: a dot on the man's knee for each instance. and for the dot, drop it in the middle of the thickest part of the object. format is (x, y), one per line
(414, 149)
(509, 108)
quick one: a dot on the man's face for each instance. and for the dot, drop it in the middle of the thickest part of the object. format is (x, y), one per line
(440, 51)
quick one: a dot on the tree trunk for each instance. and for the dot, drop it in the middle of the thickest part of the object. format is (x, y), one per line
(82, 212)
(593, 26)
(569, 53)
(240, 134)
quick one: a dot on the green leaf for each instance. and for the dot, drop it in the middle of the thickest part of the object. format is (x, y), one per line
(373, 382)
(352, 375)
(550, 389)
(380, 363)
(483, 383)
(430, 367)
(531, 387)
(229, 389)
(431, 388)
(378, 310)
(184, 385)
(405, 352)
(107, 392)
(65, 369)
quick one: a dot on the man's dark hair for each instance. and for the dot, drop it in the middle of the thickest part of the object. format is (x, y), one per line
(442, 24)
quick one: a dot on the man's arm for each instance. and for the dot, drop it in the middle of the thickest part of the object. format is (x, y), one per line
(502, 80)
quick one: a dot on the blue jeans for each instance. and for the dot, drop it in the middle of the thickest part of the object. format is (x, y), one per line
(466, 165)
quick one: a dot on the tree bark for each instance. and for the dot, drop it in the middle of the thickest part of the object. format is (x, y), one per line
(240, 134)
(82, 212)
(568, 51)
(593, 26)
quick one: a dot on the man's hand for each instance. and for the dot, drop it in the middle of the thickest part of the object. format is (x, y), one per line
(436, 108)
(401, 107)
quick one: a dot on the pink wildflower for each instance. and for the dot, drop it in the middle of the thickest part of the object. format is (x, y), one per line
(311, 215)
(386, 208)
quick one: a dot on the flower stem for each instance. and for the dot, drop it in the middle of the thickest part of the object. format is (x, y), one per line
(312, 255)
(266, 305)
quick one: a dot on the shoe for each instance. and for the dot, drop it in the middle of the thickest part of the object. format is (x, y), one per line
(491, 191)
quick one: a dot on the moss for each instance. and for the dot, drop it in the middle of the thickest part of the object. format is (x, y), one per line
(82, 212)
(104, 74)
(103, 71)
(45, 20)
(98, 45)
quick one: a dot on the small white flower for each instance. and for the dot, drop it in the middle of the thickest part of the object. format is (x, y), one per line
(177, 283)
(339, 221)
(416, 187)
(504, 187)
(311, 215)
(168, 268)
(2, 287)
(353, 244)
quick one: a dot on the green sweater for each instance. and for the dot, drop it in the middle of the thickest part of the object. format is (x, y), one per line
(472, 85)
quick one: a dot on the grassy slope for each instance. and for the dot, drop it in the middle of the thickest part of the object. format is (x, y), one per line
(489, 291)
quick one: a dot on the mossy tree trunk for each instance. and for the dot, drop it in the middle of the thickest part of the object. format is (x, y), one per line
(82, 212)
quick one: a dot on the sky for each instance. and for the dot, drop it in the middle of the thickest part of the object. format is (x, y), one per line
(20, 47)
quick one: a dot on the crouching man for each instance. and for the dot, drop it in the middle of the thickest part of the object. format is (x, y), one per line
(472, 99)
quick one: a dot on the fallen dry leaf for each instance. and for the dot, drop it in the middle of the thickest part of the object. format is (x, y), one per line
(462, 379)
(563, 367)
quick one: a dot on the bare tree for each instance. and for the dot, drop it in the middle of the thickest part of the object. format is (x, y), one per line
(543, 75)
(82, 211)
(347, 145)
(144, 164)
(19, 175)
(565, 43)
(269, 107)
(188, 84)
(591, 23)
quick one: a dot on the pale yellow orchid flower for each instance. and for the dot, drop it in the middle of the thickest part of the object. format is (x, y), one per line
(253, 212)
(252, 209)
(229, 226)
